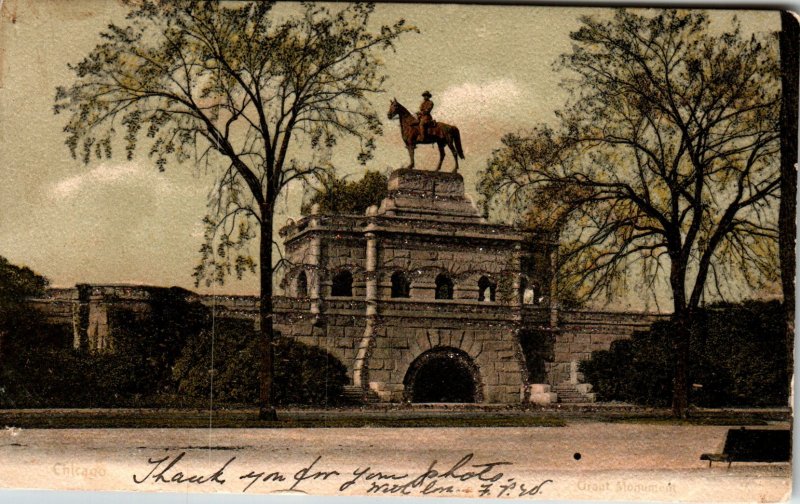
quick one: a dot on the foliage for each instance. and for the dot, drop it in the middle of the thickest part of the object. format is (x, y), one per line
(664, 157)
(17, 283)
(638, 370)
(153, 343)
(164, 359)
(664, 161)
(738, 356)
(537, 348)
(230, 84)
(52, 378)
(341, 196)
(304, 374)
(139, 369)
(192, 80)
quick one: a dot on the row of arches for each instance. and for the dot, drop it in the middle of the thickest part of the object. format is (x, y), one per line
(401, 286)
(342, 286)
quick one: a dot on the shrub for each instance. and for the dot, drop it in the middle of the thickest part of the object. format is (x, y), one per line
(70, 379)
(304, 374)
(155, 341)
(738, 358)
(38, 373)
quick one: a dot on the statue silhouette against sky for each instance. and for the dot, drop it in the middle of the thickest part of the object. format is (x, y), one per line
(422, 129)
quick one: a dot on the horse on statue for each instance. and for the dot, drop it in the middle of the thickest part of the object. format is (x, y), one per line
(439, 133)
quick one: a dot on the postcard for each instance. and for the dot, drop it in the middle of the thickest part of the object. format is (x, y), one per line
(397, 250)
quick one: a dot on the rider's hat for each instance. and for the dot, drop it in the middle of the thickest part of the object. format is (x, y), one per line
(426, 94)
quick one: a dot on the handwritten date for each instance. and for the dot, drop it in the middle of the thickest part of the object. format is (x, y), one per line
(465, 477)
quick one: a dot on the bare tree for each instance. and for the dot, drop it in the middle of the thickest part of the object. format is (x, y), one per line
(665, 160)
(790, 52)
(207, 83)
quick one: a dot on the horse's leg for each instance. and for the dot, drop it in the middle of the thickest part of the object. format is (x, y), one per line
(455, 155)
(411, 156)
(441, 155)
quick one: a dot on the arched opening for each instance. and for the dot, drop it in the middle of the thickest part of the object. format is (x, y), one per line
(530, 294)
(486, 289)
(342, 285)
(444, 286)
(443, 374)
(301, 285)
(401, 287)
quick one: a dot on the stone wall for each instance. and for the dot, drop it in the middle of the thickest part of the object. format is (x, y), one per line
(582, 332)
(423, 260)
(407, 329)
(404, 330)
(88, 311)
(338, 332)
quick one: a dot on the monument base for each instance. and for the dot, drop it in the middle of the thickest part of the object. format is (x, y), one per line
(424, 194)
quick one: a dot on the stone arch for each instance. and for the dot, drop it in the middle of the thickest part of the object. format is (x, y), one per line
(529, 291)
(401, 286)
(443, 374)
(487, 289)
(342, 284)
(301, 284)
(444, 286)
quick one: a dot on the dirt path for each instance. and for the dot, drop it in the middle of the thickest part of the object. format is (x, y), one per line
(585, 460)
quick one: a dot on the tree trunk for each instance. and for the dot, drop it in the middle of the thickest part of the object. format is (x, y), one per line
(682, 323)
(266, 408)
(786, 221)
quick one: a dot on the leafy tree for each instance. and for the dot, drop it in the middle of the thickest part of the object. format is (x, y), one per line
(664, 159)
(17, 322)
(19, 282)
(340, 196)
(230, 84)
(790, 52)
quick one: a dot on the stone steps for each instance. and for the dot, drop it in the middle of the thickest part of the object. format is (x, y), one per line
(357, 395)
(570, 393)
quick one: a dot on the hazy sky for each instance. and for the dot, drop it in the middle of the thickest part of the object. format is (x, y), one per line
(489, 69)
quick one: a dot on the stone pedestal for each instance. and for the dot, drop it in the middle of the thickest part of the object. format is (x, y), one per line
(426, 194)
(540, 394)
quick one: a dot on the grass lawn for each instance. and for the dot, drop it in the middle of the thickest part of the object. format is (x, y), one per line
(87, 419)
(247, 417)
(699, 420)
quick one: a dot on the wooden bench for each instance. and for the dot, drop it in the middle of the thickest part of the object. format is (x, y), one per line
(753, 445)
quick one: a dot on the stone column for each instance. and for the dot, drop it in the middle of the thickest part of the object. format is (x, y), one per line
(553, 287)
(80, 317)
(361, 367)
(313, 284)
(516, 299)
(573, 372)
(371, 277)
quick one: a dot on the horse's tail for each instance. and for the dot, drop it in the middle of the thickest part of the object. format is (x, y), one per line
(457, 139)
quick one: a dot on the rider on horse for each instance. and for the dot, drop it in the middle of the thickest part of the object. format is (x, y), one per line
(424, 115)
(413, 127)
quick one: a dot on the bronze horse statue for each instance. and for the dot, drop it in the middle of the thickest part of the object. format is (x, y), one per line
(439, 133)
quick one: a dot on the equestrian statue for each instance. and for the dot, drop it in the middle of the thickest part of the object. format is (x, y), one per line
(422, 129)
